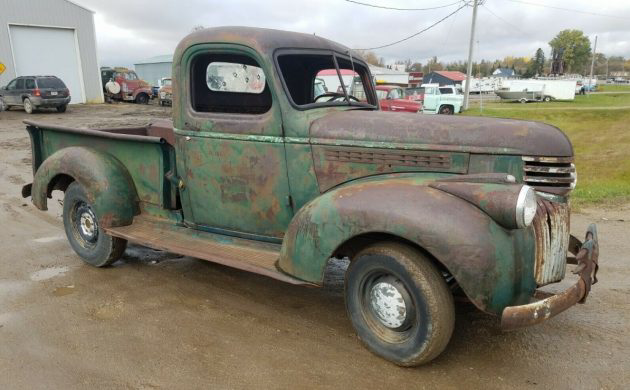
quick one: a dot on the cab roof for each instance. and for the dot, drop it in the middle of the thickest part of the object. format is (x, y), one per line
(263, 40)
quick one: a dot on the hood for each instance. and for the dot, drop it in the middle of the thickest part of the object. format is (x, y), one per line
(443, 132)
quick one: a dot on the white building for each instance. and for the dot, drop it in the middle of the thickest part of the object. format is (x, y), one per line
(155, 68)
(50, 37)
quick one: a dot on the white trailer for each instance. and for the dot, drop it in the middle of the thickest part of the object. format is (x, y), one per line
(556, 89)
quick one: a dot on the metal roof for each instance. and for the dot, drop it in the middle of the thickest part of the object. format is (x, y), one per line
(156, 59)
(452, 75)
(263, 40)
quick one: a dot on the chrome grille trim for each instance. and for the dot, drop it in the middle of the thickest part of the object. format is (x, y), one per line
(551, 229)
(552, 174)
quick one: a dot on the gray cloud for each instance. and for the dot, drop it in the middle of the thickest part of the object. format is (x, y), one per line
(128, 31)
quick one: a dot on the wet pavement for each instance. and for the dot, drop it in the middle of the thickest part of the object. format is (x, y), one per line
(161, 321)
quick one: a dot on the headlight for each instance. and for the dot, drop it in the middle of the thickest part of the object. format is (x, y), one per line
(525, 206)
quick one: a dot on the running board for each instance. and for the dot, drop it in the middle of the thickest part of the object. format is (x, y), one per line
(247, 255)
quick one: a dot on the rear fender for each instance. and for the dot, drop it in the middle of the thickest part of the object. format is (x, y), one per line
(109, 186)
(483, 257)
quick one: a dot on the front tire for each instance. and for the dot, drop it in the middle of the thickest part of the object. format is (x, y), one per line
(399, 304)
(85, 235)
(446, 110)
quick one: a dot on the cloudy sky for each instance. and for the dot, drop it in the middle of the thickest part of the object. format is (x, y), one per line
(128, 31)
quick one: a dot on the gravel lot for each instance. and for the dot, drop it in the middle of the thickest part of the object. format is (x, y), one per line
(159, 321)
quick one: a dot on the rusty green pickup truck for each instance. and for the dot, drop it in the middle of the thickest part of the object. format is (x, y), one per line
(260, 172)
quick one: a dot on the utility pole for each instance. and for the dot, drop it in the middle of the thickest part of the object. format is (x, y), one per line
(470, 55)
(590, 80)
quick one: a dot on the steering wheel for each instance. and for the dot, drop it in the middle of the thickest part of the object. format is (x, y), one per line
(335, 96)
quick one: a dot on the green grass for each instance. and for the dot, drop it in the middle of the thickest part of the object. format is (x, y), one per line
(613, 88)
(599, 128)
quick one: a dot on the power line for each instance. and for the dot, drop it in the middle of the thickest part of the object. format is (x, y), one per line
(401, 9)
(419, 32)
(569, 9)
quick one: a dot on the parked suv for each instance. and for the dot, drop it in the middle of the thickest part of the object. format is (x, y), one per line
(34, 92)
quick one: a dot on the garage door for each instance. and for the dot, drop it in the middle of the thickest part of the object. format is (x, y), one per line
(48, 51)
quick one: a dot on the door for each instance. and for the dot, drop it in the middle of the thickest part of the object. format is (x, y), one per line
(431, 98)
(233, 149)
(9, 95)
(48, 51)
(19, 92)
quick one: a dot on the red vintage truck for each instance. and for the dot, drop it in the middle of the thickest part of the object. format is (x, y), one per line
(392, 98)
(124, 84)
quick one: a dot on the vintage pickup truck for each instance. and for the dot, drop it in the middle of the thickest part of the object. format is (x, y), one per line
(258, 173)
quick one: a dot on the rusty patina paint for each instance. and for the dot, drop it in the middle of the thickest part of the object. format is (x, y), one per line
(314, 180)
(492, 264)
(109, 187)
(106, 163)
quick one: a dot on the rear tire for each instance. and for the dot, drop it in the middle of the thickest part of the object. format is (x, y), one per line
(547, 99)
(28, 106)
(399, 304)
(87, 239)
(62, 108)
(142, 98)
(523, 101)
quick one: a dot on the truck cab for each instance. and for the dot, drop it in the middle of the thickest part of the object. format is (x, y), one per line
(446, 100)
(260, 171)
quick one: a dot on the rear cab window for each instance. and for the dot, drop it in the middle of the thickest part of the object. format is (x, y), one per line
(347, 82)
(50, 83)
(229, 83)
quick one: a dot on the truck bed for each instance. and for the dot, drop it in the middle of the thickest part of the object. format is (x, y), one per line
(147, 152)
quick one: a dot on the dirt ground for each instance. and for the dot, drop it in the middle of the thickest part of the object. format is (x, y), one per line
(159, 321)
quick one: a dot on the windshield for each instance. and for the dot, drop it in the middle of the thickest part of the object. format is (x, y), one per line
(312, 80)
(381, 94)
(166, 83)
(50, 82)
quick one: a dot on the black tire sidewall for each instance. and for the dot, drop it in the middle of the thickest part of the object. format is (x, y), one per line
(100, 254)
(142, 99)
(404, 352)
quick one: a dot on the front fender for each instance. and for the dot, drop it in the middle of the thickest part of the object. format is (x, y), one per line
(109, 186)
(485, 258)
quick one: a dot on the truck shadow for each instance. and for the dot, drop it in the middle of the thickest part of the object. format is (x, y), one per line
(295, 308)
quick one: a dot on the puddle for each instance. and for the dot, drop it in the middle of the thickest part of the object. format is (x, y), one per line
(48, 273)
(64, 290)
(49, 239)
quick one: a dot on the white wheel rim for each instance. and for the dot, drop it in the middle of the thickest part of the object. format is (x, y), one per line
(388, 305)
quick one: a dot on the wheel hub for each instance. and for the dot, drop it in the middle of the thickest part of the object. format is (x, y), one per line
(87, 225)
(390, 303)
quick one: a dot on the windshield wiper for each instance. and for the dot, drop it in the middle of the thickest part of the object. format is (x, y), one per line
(343, 86)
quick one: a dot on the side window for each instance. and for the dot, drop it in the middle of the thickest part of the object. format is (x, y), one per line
(20, 84)
(228, 83)
(30, 84)
(395, 94)
(131, 76)
(12, 84)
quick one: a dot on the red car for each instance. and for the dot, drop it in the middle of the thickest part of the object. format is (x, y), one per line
(392, 98)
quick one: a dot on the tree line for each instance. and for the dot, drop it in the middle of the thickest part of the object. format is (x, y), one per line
(571, 45)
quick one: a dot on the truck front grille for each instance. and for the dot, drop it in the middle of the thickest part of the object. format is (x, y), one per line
(550, 174)
(551, 228)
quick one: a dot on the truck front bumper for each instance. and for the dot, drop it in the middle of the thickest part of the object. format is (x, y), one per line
(586, 257)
